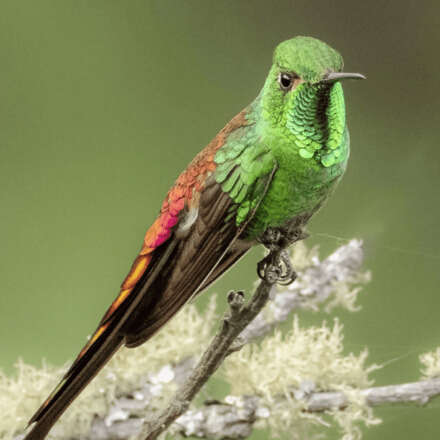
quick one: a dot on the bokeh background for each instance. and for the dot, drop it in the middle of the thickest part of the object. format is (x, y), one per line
(103, 103)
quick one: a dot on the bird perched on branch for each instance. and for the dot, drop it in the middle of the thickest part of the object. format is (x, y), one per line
(258, 181)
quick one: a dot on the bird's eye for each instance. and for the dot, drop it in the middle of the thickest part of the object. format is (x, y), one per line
(286, 81)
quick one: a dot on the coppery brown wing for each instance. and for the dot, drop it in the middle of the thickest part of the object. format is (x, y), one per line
(193, 264)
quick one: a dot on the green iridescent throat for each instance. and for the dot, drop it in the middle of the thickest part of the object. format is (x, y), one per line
(316, 118)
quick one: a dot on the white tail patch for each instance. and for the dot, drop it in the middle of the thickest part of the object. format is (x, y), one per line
(186, 222)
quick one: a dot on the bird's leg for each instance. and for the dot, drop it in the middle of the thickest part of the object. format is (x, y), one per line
(276, 266)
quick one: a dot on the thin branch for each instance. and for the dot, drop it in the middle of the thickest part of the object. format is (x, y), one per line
(414, 392)
(240, 316)
(235, 418)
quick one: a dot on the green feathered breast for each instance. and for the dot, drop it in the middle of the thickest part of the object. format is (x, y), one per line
(310, 148)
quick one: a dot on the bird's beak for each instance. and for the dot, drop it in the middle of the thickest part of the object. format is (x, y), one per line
(337, 76)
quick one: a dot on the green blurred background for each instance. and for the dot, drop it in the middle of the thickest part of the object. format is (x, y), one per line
(103, 103)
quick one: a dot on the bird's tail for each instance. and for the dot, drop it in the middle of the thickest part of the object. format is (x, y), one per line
(83, 370)
(108, 337)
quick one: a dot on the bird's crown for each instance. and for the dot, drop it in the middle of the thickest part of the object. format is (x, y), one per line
(308, 58)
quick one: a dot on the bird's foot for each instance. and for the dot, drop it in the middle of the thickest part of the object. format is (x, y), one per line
(276, 268)
(288, 274)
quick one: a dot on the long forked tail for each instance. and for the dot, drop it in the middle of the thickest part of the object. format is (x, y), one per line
(83, 370)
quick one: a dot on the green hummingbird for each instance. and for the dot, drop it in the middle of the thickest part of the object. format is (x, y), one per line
(258, 181)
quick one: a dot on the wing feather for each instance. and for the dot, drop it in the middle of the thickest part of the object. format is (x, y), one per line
(196, 259)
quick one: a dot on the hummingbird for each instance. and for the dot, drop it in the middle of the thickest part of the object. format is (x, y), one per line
(259, 181)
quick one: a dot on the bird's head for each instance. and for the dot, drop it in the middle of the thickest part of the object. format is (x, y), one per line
(302, 94)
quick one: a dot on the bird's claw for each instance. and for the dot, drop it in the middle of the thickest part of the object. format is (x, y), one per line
(276, 268)
(268, 271)
(288, 274)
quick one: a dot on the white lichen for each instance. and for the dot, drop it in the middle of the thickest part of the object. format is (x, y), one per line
(431, 364)
(353, 415)
(334, 282)
(302, 257)
(283, 368)
(344, 296)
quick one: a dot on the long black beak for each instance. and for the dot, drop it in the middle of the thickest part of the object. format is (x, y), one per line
(337, 76)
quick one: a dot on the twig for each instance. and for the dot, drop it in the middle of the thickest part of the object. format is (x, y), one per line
(414, 392)
(240, 316)
(235, 418)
